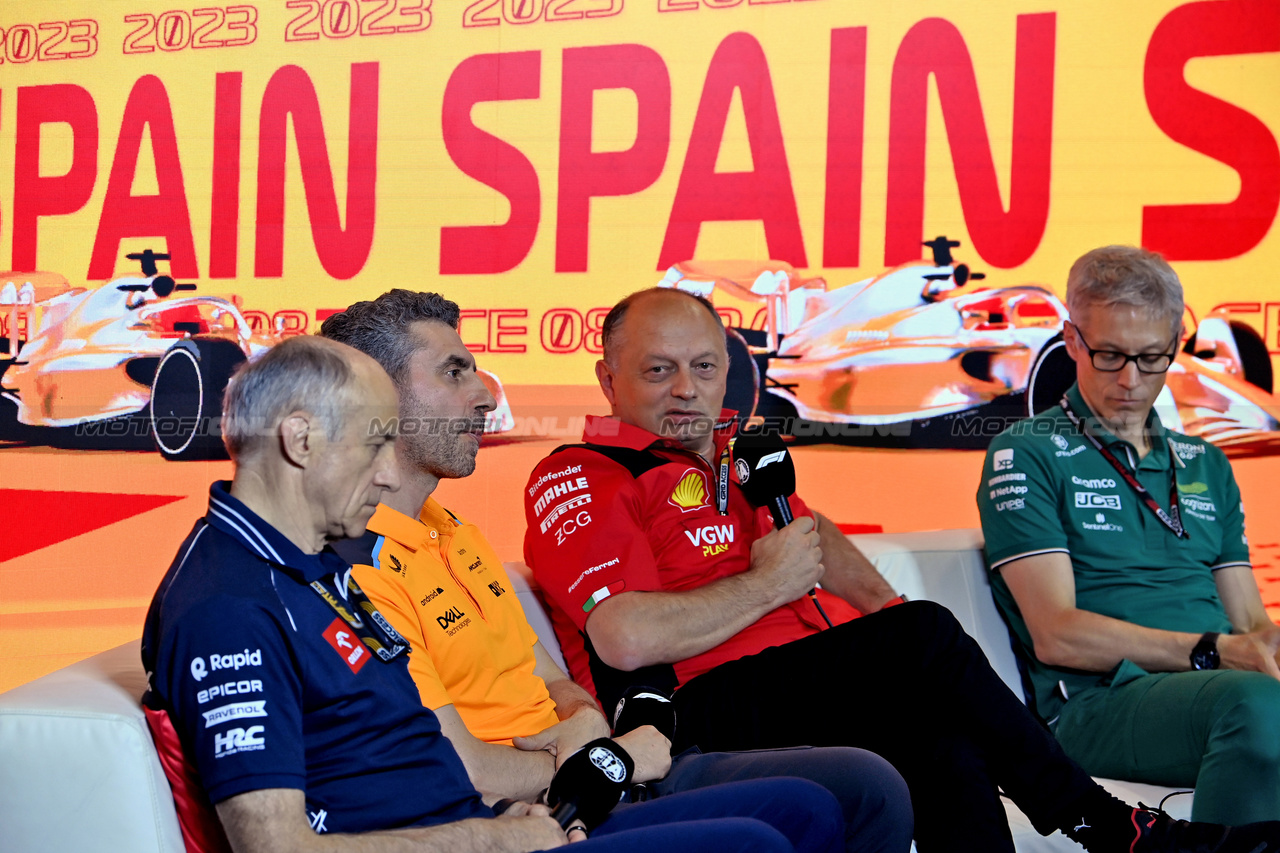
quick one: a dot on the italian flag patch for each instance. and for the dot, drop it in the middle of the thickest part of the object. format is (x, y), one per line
(601, 594)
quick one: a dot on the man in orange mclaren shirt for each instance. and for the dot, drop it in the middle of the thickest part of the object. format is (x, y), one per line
(511, 712)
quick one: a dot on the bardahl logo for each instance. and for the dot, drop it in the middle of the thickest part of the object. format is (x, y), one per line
(431, 596)
(691, 492)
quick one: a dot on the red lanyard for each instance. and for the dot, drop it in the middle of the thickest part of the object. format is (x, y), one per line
(1171, 519)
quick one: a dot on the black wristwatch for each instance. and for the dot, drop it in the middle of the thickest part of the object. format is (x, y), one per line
(1205, 654)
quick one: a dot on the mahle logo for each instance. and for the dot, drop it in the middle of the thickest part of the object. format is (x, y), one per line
(691, 492)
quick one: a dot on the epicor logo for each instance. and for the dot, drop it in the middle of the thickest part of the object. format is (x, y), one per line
(238, 740)
(231, 688)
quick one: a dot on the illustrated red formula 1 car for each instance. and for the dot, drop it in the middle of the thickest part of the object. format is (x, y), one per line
(921, 357)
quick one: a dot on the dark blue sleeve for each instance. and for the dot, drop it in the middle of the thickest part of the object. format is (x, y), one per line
(236, 697)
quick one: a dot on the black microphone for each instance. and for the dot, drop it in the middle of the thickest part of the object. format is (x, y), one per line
(642, 705)
(766, 474)
(590, 783)
(767, 477)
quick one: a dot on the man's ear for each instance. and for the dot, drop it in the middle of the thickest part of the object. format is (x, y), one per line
(604, 375)
(1069, 337)
(298, 437)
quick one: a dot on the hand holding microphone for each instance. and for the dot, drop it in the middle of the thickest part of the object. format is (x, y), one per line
(767, 477)
(590, 783)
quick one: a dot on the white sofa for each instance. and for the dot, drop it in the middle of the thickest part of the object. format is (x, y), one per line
(79, 772)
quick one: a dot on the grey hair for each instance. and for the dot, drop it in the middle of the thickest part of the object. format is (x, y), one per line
(609, 329)
(1125, 275)
(381, 328)
(302, 372)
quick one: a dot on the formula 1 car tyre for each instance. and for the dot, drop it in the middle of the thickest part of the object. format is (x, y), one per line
(1051, 375)
(186, 398)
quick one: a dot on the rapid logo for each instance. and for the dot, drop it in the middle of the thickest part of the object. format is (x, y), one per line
(348, 646)
(1002, 460)
(232, 661)
(238, 740)
(713, 539)
(198, 671)
(691, 492)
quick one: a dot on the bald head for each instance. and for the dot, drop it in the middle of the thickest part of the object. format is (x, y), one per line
(668, 299)
(665, 365)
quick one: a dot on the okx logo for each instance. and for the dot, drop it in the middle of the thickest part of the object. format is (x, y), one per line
(496, 589)
(238, 740)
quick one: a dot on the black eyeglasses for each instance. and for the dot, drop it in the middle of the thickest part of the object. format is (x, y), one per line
(1110, 361)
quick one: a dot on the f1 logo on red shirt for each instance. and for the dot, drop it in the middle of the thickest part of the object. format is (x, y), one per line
(347, 644)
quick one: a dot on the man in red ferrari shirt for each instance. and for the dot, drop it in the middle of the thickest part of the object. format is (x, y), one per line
(661, 574)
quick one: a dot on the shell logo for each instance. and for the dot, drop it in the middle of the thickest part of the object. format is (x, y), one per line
(691, 492)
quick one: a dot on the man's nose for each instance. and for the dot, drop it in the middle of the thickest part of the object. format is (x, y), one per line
(684, 387)
(1130, 376)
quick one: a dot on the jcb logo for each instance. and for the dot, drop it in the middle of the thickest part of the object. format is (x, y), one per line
(238, 740)
(450, 616)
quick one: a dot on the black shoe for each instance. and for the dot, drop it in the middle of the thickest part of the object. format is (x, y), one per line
(1156, 832)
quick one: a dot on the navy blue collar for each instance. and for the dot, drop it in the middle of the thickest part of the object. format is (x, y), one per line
(257, 536)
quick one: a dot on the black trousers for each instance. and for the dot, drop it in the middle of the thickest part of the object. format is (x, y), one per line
(910, 684)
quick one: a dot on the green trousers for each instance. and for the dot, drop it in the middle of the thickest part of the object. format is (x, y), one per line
(1217, 731)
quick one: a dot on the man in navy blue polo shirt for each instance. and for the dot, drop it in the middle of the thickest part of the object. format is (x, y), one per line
(289, 692)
